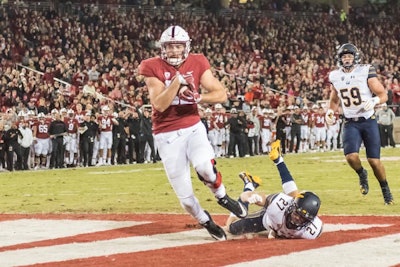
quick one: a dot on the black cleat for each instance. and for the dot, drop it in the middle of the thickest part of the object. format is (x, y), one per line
(213, 229)
(364, 188)
(387, 195)
(233, 206)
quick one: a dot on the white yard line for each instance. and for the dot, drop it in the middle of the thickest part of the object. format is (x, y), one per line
(32, 230)
(373, 252)
(102, 248)
(350, 226)
(124, 171)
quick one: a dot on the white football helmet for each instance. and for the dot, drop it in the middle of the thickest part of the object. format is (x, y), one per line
(105, 110)
(174, 35)
(41, 115)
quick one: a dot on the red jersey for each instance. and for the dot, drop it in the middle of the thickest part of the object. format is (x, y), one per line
(288, 120)
(105, 123)
(180, 114)
(319, 120)
(42, 129)
(220, 119)
(32, 122)
(306, 118)
(79, 116)
(210, 123)
(72, 125)
(265, 122)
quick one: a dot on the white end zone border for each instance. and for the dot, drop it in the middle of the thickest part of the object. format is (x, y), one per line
(381, 251)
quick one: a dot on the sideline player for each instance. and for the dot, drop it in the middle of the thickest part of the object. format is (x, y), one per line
(357, 88)
(291, 214)
(41, 141)
(174, 81)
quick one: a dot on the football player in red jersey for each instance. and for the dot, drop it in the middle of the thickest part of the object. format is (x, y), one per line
(41, 141)
(319, 129)
(173, 81)
(305, 129)
(211, 130)
(220, 122)
(106, 122)
(71, 139)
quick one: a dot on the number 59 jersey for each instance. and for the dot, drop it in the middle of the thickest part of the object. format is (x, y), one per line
(274, 219)
(352, 89)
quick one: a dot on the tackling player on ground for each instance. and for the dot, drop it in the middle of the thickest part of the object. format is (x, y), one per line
(291, 214)
(174, 81)
(357, 88)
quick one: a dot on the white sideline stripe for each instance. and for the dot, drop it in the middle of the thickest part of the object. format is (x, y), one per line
(102, 248)
(125, 171)
(350, 226)
(372, 252)
(31, 230)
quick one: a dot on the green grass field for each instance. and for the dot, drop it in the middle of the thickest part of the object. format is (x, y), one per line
(144, 188)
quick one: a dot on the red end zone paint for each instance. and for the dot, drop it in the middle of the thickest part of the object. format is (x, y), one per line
(209, 254)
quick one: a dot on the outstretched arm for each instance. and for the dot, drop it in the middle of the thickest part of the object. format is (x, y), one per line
(334, 100)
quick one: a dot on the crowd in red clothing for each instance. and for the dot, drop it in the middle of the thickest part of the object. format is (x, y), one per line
(271, 56)
(264, 60)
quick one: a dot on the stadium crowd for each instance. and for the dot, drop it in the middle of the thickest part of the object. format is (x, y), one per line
(78, 64)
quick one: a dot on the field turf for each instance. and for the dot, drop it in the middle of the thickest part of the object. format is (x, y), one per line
(144, 188)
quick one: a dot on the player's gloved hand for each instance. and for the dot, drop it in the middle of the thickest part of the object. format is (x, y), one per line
(330, 117)
(187, 94)
(371, 103)
(254, 198)
(271, 234)
(186, 79)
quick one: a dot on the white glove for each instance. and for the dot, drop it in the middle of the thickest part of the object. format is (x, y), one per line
(330, 117)
(186, 79)
(254, 198)
(271, 234)
(371, 103)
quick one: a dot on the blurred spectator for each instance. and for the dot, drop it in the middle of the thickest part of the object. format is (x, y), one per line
(120, 132)
(280, 126)
(146, 136)
(25, 141)
(88, 129)
(297, 121)
(237, 127)
(254, 132)
(134, 140)
(57, 131)
(2, 147)
(100, 47)
(12, 147)
(385, 117)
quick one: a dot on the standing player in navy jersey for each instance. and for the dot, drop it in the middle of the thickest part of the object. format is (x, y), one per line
(357, 88)
(174, 81)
